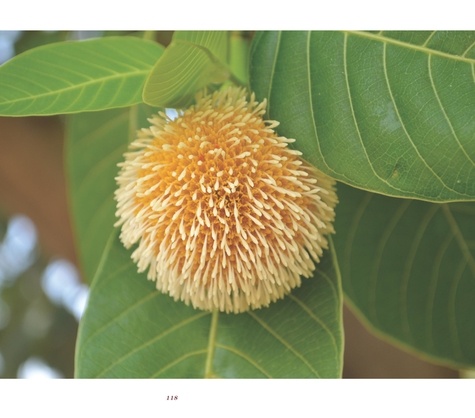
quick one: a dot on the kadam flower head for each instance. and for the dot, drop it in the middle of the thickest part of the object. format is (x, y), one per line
(224, 214)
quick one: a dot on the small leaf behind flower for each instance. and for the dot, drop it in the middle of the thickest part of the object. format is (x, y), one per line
(191, 62)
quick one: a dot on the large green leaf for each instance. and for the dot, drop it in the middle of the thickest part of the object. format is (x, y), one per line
(69, 77)
(131, 330)
(191, 61)
(408, 267)
(390, 112)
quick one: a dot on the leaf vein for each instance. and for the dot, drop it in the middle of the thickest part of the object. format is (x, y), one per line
(455, 340)
(461, 241)
(314, 317)
(282, 341)
(152, 340)
(429, 38)
(355, 121)
(403, 125)
(245, 357)
(408, 265)
(178, 360)
(444, 113)
(310, 101)
(385, 236)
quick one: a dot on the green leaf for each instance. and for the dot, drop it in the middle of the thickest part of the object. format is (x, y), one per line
(389, 112)
(408, 268)
(216, 42)
(191, 62)
(95, 145)
(131, 330)
(69, 77)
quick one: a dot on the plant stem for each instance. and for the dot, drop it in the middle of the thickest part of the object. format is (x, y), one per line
(149, 35)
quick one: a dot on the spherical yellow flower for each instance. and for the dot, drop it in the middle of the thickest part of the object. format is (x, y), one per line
(226, 216)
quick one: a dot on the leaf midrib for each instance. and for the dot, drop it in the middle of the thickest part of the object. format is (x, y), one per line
(407, 45)
(211, 345)
(77, 86)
